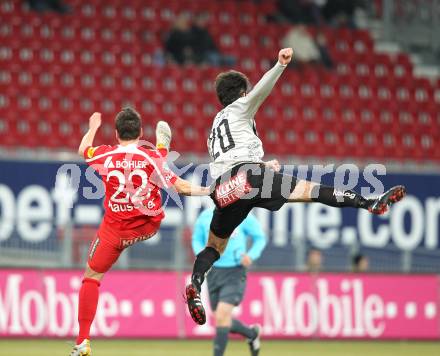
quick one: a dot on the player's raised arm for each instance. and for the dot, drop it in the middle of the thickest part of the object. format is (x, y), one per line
(263, 88)
(184, 187)
(87, 140)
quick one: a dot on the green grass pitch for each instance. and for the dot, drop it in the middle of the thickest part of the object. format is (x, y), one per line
(235, 348)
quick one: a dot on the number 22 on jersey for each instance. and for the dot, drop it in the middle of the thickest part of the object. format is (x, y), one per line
(125, 190)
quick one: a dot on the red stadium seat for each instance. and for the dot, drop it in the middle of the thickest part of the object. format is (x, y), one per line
(104, 57)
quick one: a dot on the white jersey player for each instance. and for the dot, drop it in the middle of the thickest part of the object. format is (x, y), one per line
(245, 181)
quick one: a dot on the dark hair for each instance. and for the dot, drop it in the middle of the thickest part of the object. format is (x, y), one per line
(128, 124)
(357, 259)
(230, 86)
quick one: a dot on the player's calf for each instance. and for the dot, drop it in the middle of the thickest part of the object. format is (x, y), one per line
(338, 198)
(310, 191)
(202, 265)
(206, 258)
(349, 198)
(87, 305)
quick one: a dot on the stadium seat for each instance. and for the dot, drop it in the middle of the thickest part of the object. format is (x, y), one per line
(103, 58)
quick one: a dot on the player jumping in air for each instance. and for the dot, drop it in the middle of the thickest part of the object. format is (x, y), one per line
(133, 176)
(244, 181)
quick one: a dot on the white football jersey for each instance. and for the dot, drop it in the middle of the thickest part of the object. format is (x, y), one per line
(233, 138)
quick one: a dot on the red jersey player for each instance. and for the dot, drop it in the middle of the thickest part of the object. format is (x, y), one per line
(133, 176)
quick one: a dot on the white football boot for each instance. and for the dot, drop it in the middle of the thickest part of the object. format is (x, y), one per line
(83, 349)
(163, 135)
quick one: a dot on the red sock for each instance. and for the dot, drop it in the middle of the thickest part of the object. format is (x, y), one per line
(88, 302)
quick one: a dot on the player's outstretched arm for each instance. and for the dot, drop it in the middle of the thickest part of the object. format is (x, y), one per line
(184, 187)
(87, 140)
(263, 88)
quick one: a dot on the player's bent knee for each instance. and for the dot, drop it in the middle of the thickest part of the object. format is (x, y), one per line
(223, 314)
(223, 318)
(302, 191)
(219, 247)
(90, 273)
(217, 243)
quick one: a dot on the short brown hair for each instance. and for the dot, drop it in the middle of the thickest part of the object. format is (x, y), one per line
(230, 86)
(128, 124)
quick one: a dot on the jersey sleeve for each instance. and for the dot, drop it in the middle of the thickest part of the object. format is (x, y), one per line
(253, 100)
(162, 175)
(91, 153)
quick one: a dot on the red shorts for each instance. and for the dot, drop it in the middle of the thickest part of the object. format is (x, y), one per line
(108, 244)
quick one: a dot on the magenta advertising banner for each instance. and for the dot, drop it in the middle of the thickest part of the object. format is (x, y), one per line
(287, 305)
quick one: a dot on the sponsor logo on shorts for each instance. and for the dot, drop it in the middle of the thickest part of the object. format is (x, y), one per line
(94, 247)
(132, 241)
(232, 190)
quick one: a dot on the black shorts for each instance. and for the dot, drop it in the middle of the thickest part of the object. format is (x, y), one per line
(226, 285)
(247, 186)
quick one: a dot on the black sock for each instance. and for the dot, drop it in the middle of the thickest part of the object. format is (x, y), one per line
(238, 327)
(203, 263)
(339, 198)
(220, 341)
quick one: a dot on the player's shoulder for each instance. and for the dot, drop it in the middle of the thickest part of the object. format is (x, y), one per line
(237, 109)
(93, 152)
(153, 157)
(150, 152)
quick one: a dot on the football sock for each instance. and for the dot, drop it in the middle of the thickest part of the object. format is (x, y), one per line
(203, 263)
(339, 198)
(220, 341)
(238, 327)
(88, 302)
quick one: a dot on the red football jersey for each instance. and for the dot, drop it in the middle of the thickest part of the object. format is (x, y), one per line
(132, 177)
